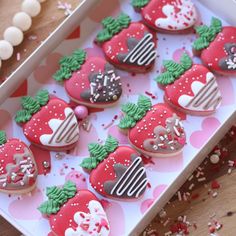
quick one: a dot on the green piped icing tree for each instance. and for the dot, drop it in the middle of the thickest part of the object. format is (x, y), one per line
(3, 137)
(99, 152)
(57, 197)
(207, 34)
(69, 64)
(139, 3)
(31, 106)
(112, 26)
(174, 70)
(134, 113)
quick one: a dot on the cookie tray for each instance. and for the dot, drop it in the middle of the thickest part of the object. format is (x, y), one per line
(165, 174)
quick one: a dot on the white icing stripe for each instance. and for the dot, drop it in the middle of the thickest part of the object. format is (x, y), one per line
(206, 96)
(124, 183)
(65, 132)
(144, 52)
(138, 188)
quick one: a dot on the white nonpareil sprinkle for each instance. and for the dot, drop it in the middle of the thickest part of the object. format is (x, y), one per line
(65, 6)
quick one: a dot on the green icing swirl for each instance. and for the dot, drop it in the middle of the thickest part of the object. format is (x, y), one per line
(57, 197)
(139, 3)
(112, 27)
(3, 137)
(165, 78)
(69, 64)
(123, 20)
(89, 163)
(174, 70)
(49, 207)
(56, 194)
(30, 104)
(69, 189)
(22, 116)
(127, 122)
(186, 61)
(207, 34)
(42, 97)
(111, 144)
(144, 103)
(133, 111)
(104, 35)
(98, 151)
(62, 74)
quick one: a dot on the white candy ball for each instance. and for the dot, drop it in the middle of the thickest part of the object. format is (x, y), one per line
(214, 158)
(6, 50)
(22, 20)
(31, 7)
(13, 35)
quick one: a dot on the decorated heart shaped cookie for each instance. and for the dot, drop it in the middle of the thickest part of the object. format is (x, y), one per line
(89, 81)
(171, 16)
(190, 88)
(48, 122)
(18, 170)
(153, 130)
(128, 45)
(74, 213)
(116, 171)
(216, 46)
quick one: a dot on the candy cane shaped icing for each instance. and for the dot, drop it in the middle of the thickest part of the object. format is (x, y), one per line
(143, 53)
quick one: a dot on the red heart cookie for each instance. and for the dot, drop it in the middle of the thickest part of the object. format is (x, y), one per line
(73, 212)
(190, 88)
(216, 46)
(48, 122)
(18, 170)
(153, 130)
(128, 45)
(116, 171)
(171, 16)
(89, 81)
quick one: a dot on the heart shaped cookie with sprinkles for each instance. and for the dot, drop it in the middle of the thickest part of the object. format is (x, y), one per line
(153, 130)
(74, 213)
(48, 122)
(216, 45)
(116, 171)
(170, 16)
(18, 170)
(89, 81)
(128, 45)
(190, 88)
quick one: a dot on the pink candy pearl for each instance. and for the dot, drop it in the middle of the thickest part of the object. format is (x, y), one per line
(81, 112)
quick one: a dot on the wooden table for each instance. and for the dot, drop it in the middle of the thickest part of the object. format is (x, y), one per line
(197, 211)
(49, 18)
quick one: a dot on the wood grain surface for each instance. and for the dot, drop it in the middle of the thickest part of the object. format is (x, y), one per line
(198, 211)
(43, 24)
